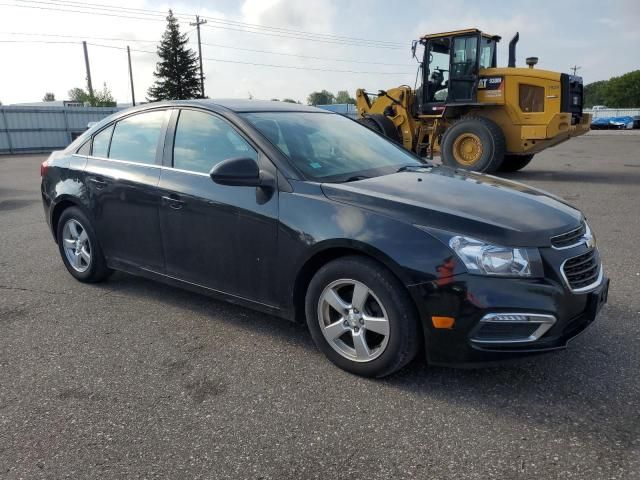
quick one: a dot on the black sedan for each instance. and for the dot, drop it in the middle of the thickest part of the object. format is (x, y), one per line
(305, 214)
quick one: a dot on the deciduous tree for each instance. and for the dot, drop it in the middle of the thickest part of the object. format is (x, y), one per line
(321, 98)
(344, 97)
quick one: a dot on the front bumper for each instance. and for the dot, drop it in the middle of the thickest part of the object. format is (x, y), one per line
(468, 298)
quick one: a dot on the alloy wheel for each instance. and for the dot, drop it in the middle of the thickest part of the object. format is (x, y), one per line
(76, 244)
(353, 320)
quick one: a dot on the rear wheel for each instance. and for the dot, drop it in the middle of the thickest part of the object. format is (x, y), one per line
(513, 163)
(361, 317)
(474, 143)
(79, 247)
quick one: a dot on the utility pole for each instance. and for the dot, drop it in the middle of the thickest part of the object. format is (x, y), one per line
(133, 95)
(86, 64)
(575, 68)
(197, 25)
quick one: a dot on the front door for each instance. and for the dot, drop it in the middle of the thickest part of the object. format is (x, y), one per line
(463, 74)
(121, 177)
(220, 237)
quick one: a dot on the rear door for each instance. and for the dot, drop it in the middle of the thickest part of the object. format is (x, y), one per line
(122, 177)
(220, 237)
(463, 74)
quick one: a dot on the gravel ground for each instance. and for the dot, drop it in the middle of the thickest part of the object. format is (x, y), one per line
(134, 379)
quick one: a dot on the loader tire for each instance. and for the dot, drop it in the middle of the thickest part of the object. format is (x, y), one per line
(473, 143)
(382, 125)
(513, 163)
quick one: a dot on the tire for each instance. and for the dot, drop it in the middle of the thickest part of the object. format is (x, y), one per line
(385, 299)
(79, 247)
(381, 124)
(474, 143)
(513, 163)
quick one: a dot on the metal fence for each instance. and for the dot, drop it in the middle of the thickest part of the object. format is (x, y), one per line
(345, 109)
(42, 129)
(614, 112)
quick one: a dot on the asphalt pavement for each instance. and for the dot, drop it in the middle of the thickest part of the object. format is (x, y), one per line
(135, 379)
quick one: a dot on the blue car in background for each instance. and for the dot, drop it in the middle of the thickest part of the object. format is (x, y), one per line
(609, 123)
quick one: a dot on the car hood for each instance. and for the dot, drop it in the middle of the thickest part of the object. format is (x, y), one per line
(478, 205)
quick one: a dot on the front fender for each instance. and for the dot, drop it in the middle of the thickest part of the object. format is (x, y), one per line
(413, 255)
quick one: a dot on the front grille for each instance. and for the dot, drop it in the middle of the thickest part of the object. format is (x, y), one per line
(569, 239)
(582, 271)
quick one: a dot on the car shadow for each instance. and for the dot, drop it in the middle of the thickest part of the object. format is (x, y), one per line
(579, 390)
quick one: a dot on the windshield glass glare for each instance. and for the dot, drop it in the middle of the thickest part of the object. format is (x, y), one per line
(330, 147)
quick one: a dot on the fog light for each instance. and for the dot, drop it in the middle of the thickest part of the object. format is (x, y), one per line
(518, 327)
(443, 322)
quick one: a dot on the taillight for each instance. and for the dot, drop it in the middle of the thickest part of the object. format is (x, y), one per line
(44, 166)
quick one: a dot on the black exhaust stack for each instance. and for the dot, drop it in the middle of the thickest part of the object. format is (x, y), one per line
(512, 50)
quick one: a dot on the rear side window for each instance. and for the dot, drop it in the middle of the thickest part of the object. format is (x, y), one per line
(203, 140)
(101, 142)
(136, 138)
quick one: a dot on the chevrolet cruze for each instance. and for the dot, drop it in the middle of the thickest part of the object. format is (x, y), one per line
(305, 214)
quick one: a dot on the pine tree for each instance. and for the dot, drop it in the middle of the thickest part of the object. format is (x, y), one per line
(177, 72)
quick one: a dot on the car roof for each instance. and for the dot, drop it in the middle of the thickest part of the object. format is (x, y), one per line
(239, 105)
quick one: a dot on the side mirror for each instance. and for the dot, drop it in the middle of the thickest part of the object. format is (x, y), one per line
(238, 172)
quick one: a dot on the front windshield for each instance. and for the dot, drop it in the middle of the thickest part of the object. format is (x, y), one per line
(329, 147)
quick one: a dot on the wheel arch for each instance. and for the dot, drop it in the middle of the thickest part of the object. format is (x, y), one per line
(329, 251)
(61, 204)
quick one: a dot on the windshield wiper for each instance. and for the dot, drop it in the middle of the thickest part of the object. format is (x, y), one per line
(411, 168)
(355, 178)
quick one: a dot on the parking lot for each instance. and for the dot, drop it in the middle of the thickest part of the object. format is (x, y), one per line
(134, 379)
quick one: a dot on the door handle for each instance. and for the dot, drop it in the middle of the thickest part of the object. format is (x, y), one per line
(100, 184)
(173, 201)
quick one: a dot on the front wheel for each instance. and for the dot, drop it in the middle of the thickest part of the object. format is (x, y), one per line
(513, 163)
(473, 143)
(361, 317)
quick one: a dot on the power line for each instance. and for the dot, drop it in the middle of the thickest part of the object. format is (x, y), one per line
(223, 60)
(302, 38)
(37, 7)
(293, 67)
(40, 41)
(218, 45)
(221, 24)
(305, 68)
(332, 59)
(143, 11)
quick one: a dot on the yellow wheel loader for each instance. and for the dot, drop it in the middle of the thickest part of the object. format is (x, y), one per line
(477, 116)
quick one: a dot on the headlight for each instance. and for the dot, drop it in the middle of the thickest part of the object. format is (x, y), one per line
(486, 259)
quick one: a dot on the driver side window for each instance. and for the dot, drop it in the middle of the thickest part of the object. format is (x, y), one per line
(203, 140)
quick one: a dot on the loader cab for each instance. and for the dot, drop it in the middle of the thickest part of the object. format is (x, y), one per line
(451, 66)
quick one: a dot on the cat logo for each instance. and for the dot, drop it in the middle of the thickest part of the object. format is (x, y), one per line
(489, 83)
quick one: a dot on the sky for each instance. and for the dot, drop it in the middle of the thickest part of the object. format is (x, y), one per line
(354, 43)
